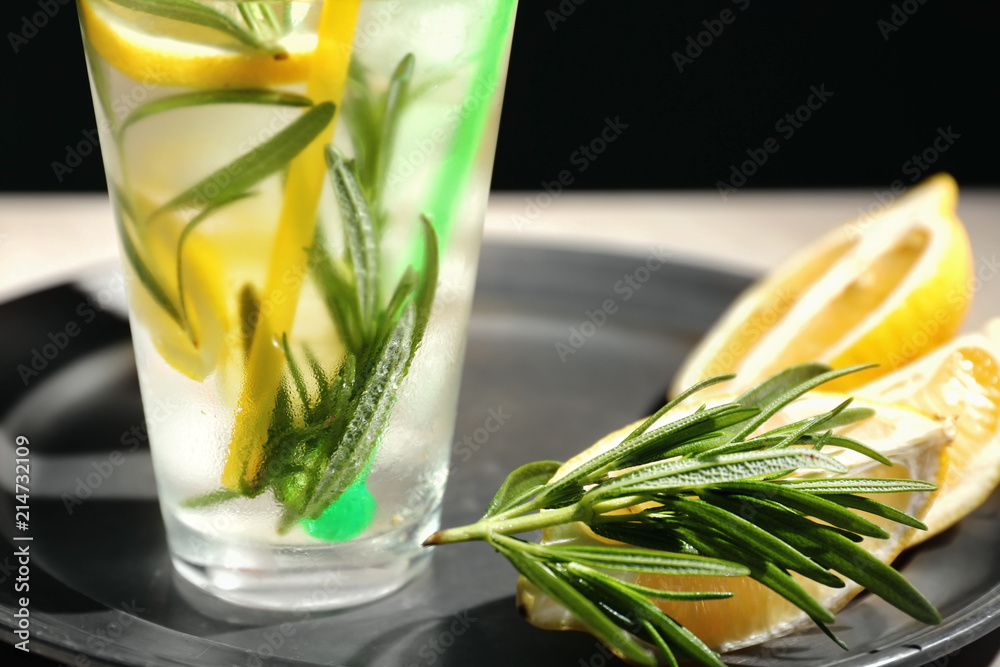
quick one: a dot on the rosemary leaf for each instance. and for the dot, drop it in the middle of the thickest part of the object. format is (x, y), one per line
(664, 441)
(834, 440)
(221, 96)
(339, 296)
(578, 568)
(390, 314)
(634, 606)
(742, 531)
(832, 550)
(252, 167)
(657, 640)
(763, 571)
(249, 316)
(638, 560)
(521, 485)
(359, 233)
(846, 417)
(670, 476)
(293, 369)
(428, 280)
(142, 272)
(777, 392)
(319, 377)
(556, 587)
(191, 11)
(705, 421)
(839, 485)
(369, 414)
(811, 425)
(393, 105)
(677, 400)
(210, 498)
(808, 504)
(878, 509)
(640, 534)
(709, 496)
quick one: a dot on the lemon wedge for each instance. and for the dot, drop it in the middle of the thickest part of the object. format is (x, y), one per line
(857, 295)
(960, 381)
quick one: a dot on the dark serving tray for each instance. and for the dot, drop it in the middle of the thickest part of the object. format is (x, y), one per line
(560, 346)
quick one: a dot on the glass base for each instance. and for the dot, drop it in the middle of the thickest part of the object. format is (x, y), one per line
(314, 577)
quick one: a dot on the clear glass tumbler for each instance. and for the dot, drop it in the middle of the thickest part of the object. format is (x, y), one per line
(299, 188)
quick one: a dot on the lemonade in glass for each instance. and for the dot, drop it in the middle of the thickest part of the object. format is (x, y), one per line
(299, 188)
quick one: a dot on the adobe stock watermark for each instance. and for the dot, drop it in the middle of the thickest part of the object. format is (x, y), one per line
(75, 154)
(751, 331)
(593, 320)
(945, 660)
(210, 188)
(89, 481)
(786, 126)
(365, 32)
(470, 444)
(898, 17)
(920, 338)
(103, 638)
(915, 167)
(121, 106)
(431, 650)
(273, 640)
(62, 337)
(481, 91)
(601, 657)
(695, 45)
(582, 158)
(562, 12)
(32, 23)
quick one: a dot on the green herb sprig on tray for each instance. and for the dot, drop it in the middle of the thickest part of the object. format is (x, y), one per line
(699, 472)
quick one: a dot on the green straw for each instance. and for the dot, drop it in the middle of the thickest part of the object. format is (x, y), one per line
(452, 177)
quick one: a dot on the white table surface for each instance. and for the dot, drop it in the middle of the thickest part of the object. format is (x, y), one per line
(46, 238)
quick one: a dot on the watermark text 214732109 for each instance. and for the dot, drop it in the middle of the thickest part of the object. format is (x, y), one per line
(22, 554)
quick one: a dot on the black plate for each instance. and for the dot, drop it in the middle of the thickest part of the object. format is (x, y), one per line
(564, 347)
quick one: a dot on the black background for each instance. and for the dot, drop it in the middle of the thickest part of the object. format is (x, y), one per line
(577, 62)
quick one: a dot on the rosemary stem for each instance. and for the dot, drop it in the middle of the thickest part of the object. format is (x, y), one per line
(485, 527)
(524, 523)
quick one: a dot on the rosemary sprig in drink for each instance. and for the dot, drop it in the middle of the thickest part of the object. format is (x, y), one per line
(326, 423)
(687, 485)
(304, 430)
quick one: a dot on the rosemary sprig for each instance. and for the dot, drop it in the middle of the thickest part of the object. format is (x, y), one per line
(373, 119)
(327, 422)
(698, 475)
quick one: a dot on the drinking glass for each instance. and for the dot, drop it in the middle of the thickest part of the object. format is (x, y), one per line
(299, 188)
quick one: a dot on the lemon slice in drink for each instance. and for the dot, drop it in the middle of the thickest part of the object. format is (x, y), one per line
(857, 295)
(911, 440)
(197, 345)
(960, 381)
(165, 52)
